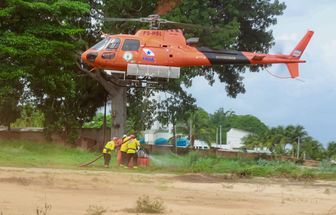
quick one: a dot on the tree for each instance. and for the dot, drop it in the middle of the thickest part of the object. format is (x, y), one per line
(40, 40)
(11, 89)
(173, 109)
(312, 149)
(201, 126)
(293, 135)
(97, 121)
(30, 116)
(240, 25)
(275, 139)
(142, 109)
(228, 120)
(331, 150)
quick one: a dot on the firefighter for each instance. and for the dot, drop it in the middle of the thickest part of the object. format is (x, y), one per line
(109, 147)
(132, 148)
(123, 150)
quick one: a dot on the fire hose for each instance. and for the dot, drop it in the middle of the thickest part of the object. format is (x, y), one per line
(97, 158)
(91, 162)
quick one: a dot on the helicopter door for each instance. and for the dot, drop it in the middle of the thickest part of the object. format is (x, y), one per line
(154, 56)
(130, 50)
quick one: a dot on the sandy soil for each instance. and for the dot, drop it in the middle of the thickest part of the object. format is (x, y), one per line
(23, 191)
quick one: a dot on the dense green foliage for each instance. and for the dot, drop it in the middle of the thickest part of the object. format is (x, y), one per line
(29, 117)
(205, 125)
(276, 139)
(331, 150)
(98, 121)
(39, 41)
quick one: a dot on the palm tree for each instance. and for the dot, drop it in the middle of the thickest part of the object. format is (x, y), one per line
(295, 134)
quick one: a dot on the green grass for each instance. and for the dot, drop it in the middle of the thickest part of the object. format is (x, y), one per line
(30, 154)
(239, 167)
(27, 153)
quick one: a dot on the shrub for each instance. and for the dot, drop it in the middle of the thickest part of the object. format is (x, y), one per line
(146, 205)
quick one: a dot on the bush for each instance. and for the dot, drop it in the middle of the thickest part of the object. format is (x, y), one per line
(146, 205)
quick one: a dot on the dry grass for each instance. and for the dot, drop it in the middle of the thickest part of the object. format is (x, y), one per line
(17, 180)
(96, 210)
(43, 210)
(146, 205)
(327, 191)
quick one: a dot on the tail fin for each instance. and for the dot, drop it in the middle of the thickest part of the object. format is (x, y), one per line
(301, 46)
(293, 68)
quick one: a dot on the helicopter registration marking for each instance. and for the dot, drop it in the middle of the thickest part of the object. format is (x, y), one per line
(128, 56)
(152, 33)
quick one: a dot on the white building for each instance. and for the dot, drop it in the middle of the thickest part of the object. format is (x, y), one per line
(234, 138)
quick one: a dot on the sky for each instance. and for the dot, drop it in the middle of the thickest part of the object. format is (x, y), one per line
(309, 101)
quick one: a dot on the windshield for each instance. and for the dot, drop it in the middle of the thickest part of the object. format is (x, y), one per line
(114, 44)
(100, 45)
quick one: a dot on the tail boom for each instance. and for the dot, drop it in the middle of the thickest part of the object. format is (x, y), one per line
(221, 57)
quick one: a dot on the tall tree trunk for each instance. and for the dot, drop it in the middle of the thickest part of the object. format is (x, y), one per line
(119, 97)
(118, 112)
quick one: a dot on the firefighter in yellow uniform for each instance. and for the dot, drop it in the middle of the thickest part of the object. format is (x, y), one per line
(123, 150)
(109, 147)
(133, 146)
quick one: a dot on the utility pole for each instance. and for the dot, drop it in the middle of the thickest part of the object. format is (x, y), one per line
(298, 149)
(220, 135)
(104, 123)
(216, 136)
(190, 130)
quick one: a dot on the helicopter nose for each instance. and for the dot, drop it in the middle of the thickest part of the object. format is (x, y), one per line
(91, 56)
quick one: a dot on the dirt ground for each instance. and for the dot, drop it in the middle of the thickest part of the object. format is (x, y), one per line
(24, 191)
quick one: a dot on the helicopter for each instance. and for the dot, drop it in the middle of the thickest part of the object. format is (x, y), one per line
(154, 53)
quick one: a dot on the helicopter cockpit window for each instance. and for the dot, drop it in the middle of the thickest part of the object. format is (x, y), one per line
(131, 45)
(100, 45)
(114, 44)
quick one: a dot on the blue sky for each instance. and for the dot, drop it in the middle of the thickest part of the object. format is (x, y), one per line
(310, 102)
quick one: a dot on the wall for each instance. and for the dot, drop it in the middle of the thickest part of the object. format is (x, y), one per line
(37, 136)
(88, 138)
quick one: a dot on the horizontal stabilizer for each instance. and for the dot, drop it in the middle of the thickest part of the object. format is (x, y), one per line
(258, 57)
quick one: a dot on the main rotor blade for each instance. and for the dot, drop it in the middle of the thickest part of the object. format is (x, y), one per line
(187, 25)
(112, 19)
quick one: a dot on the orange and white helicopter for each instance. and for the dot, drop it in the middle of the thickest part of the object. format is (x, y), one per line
(161, 53)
